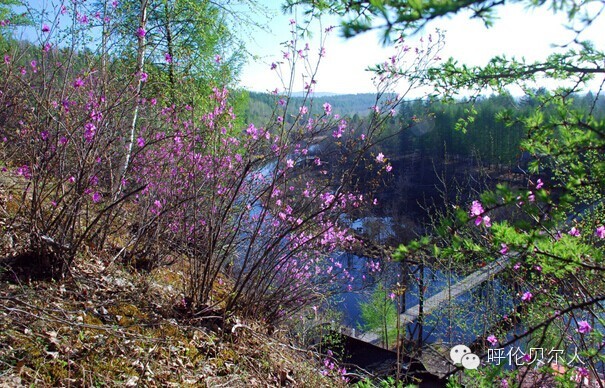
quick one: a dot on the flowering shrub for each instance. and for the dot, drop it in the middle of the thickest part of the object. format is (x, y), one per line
(261, 204)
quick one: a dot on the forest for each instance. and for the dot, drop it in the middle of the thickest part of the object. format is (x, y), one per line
(162, 226)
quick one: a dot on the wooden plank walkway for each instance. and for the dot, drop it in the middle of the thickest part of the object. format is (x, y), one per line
(432, 303)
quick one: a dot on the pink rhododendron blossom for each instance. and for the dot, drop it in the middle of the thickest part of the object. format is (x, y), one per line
(140, 142)
(290, 163)
(527, 296)
(584, 327)
(78, 82)
(476, 208)
(303, 110)
(45, 28)
(600, 232)
(82, 18)
(492, 340)
(389, 168)
(89, 131)
(168, 58)
(539, 184)
(504, 249)
(141, 32)
(380, 157)
(582, 372)
(517, 266)
(327, 108)
(144, 76)
(574, 232)
(96, 197)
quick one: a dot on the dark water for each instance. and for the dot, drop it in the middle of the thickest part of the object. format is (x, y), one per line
(461, 321)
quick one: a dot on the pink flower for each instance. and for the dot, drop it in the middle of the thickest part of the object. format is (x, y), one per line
(504, 249)
(492, 340)
(144, 76)
(82, 18)
(217, 59)
(538, 268)
(584, 327)
(574, 232)
(389, 168)
(45, 28)
(380, 157)
(485, 219)
(303, 110)
(7, 59)
(476, 208)
(539, 184)
(327, 108)
(583, 372)
(600, 232)
(290, 163)
(517, 266)
(141, 142)
(96, 197)
(78, 82)
(168, 58)
(141, 32)
(89, 131)
(527, 296)
(392, 296)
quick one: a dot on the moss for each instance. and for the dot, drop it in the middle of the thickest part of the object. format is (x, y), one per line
(91, 320)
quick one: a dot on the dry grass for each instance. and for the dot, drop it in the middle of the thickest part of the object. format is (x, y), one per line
(108, 326)
(115, 328)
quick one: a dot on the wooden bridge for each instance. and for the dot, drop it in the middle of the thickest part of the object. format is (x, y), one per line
(432, 303)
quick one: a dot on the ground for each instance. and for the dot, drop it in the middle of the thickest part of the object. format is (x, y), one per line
(108, 325)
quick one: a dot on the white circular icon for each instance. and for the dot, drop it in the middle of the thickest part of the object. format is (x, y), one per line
(458, 352)
(470, 361)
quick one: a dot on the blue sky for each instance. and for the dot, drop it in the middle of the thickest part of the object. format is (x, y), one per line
(518, 32)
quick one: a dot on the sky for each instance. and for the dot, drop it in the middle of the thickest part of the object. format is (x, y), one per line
(518, 32)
